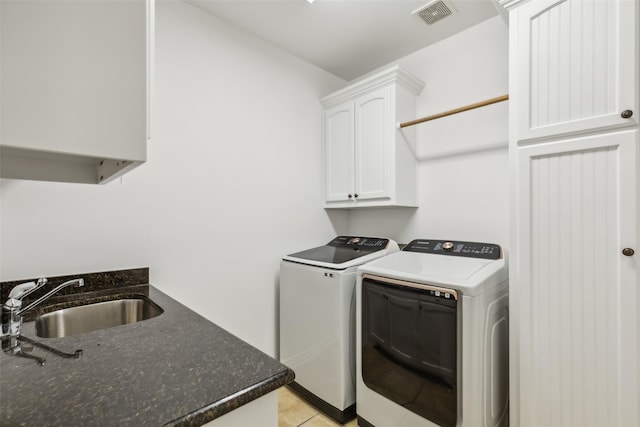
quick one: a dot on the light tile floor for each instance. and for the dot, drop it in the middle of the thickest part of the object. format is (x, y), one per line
(294, 412)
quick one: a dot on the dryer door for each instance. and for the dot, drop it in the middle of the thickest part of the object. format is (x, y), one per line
(409, 346)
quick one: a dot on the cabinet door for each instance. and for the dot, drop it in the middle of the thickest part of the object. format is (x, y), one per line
(339, 173)
(75, 85)
(573, 65)
(373, 145)
(77, 70)
(574, 295)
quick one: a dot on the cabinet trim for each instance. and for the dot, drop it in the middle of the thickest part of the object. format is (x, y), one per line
(395, 74)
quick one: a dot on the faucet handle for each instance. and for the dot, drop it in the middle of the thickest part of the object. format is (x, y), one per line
(24, 289)
(19, 290)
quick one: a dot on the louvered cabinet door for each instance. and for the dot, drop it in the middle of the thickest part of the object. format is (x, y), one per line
(574, 293)
(573, 66)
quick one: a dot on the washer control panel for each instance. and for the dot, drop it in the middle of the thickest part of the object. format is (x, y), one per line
(373, 243)
(455, 248)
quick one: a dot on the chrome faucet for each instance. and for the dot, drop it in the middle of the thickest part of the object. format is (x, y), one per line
(12, 313)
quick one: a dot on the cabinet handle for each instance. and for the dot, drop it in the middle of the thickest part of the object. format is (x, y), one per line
(355, 195)
(350, 196)
(626, 114)
(628, 252)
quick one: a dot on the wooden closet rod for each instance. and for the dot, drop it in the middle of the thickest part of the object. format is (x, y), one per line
(455, 111)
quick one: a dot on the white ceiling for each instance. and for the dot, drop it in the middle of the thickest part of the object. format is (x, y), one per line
(347, 38)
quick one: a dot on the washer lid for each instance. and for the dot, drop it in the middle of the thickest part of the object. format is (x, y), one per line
(468, 275)
(345, 251)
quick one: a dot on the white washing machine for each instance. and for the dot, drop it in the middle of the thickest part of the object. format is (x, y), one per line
(317, 319)
(432, 337)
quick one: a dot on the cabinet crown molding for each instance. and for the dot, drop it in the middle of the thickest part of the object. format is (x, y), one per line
(510, 4)
(395, 74)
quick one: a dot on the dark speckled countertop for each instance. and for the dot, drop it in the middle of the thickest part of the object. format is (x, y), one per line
(175, 369)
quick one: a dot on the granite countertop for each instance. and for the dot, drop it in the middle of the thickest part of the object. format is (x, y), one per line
(176, 369)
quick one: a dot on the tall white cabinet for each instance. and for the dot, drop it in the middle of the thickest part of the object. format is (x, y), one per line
(575, 252)
(368, 161)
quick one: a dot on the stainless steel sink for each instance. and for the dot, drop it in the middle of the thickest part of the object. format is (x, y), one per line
(91, 317)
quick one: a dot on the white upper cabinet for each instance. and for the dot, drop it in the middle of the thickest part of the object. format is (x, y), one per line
(75, 88)
(576, 66)
(368, 161)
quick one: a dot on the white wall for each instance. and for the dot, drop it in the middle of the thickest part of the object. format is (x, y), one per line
(233, 182)
(463, 164)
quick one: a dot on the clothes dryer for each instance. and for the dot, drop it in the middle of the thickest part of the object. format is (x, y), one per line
(317, 319)
(432, 337)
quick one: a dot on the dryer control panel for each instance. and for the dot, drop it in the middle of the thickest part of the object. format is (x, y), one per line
(455, 248)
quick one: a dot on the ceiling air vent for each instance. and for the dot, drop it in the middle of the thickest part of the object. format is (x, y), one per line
(434, 11)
